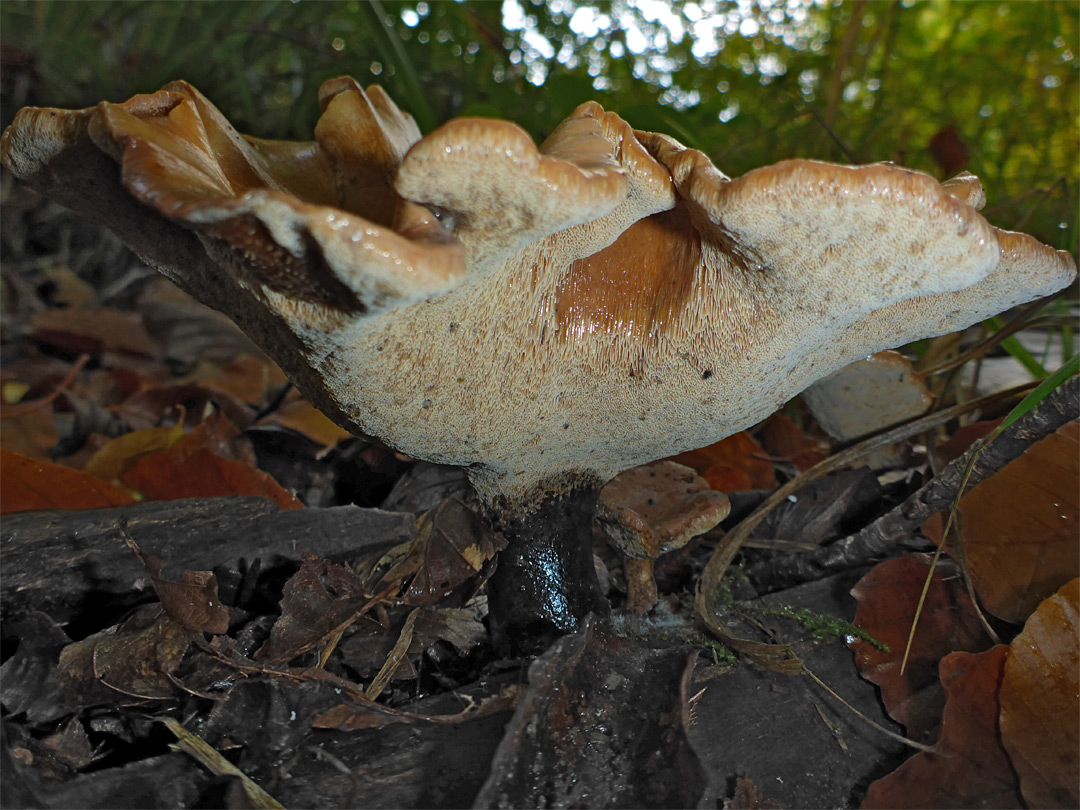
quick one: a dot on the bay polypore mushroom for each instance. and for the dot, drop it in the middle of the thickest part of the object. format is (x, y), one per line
(651, 510)
(544, 317)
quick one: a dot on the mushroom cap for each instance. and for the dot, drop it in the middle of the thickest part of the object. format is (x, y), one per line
(658, 507)
(546, 317)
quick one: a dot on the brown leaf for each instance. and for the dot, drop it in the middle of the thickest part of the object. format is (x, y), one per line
(119, 455)
(193, 602)
(451, 546)
(70, 745)
(30, 433)
(784, 439)
(150, 408)
(248, 378)
(130, 660)
(976, 772)
(887, 597)
(461, 627)
(357, 716)
(1020, 527)
(93, 331)
(26, 484)
(739, 452)
(220, 436)
(748, 797)
(1040, 715)
(723, 478)
(965, 436)
(300, 415)
(318, 601)
(179, 472)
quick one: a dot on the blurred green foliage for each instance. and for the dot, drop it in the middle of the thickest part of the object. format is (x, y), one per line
(748, 82)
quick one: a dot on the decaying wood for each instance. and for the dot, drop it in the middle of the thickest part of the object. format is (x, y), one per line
(54, 559)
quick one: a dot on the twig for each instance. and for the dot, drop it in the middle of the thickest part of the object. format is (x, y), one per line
(881, 537)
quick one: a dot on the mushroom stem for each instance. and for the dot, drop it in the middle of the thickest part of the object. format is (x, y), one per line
(641, 593)
(545, 584)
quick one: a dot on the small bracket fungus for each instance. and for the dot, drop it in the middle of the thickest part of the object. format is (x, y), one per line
(650, 510)
(544, 317)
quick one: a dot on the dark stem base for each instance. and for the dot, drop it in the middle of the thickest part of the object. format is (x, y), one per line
(545, 584)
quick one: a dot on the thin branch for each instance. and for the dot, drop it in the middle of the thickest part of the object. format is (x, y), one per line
(882, 537)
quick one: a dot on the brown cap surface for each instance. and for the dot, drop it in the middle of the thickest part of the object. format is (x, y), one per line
(659, 507)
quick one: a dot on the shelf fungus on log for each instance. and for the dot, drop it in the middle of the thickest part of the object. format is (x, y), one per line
(544, 317)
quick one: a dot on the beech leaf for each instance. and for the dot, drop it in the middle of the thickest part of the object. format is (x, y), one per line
(887, 597)
(1040, 715)
(975, 770)
(1020, 527)
(27, 483)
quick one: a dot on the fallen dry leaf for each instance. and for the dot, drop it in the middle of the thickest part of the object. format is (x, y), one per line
(187, 470)
(93, 331)
(888, 596)
(30, 433)
(733, 464)
(247, 378)
(1040, 702)
(451, 547)
(976, 772)
(27, 483)
(461, 627)
(300, 415)
(220, 436)
(119, 455)
(150, 407)
(130, 660)
(782, 438)
(965, 436)
(319, 601)
(192, 602)
(1020, 527)
(70, 745)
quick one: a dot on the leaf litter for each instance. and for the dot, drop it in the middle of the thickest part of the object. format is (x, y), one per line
(315, 673)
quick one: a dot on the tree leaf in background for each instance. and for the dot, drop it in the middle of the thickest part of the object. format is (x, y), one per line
(120, 454)
(170, 475)
(93, 331)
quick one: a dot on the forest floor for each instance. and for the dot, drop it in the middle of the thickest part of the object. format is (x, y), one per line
(212, 596)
